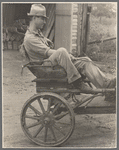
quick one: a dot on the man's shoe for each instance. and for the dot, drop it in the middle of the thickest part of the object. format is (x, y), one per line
(112, 83)
(111, 97)
(76, 83)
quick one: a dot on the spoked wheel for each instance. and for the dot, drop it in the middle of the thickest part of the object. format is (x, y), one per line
(47, 119)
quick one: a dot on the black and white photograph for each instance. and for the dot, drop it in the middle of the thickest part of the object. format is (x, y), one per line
(59, 74)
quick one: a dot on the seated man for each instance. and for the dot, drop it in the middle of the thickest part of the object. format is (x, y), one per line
(37, 48)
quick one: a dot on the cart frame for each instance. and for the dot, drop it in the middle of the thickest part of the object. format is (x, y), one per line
(58, 108)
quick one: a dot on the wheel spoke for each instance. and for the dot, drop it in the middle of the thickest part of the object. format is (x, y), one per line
(34, 109)
(33, 125)
(46, 131)
(57, 106)
(47, 119)
(41, 105)
(31, 117)
(41, 127)
(53, 133)
(58, 128)
(49, 104)
(57, 117)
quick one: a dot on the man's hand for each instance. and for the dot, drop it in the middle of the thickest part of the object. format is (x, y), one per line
(50, 43)
(72, 57)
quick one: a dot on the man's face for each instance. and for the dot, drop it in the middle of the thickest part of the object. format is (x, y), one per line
(40, 22)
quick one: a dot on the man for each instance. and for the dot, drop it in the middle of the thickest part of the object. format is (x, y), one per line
(37, 47)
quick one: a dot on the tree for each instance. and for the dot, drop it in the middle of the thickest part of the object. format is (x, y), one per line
(104, 10)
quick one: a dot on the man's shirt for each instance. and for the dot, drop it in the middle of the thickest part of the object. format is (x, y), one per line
(36, 45)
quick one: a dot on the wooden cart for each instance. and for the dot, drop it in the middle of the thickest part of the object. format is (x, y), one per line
(47, 118)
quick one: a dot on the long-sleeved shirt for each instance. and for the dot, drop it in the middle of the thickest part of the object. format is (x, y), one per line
(36, 45)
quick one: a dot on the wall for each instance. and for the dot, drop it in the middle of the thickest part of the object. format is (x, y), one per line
(63, 26)
(76, 28)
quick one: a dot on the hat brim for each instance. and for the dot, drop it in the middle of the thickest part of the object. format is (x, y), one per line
(28, 14)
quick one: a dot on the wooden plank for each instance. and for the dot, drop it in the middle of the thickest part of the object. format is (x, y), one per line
(75, 17)
(10, 45)
(75, 20)
(50, 9)
(74, 33)
(52, 34)
(95, 110)
(50, 14)
(75, 23)
(75, 10)
(63, 9)
(74, 41)
(79, 31)
(75, 5)
(87, 29)
(74, 37)
(75, 13)
(74, 45)
(74, 27)
(84, 30)
(49, 28)
(5, 45)
(57, 90)
(50, 79)
(102, 40)
(63, 13)
(50, 23)
(13, 37)
(63, 32)
(4, 36)
(86, 26)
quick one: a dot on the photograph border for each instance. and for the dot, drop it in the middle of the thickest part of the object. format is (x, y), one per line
(62, 1)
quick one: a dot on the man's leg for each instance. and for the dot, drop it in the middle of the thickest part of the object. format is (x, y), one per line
(97, 77)
(61, 57)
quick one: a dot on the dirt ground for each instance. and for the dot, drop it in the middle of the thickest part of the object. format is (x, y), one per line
(90, 130)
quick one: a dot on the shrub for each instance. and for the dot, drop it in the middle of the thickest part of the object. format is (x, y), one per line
(93, 51)
(99, 31)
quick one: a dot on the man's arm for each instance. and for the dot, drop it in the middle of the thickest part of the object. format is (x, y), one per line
(34, 44)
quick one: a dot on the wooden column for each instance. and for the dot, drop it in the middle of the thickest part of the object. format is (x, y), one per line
(79, 29)
(87, 27)
(83, 28)
(63, 26)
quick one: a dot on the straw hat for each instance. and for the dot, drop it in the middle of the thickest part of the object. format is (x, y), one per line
(37, 10)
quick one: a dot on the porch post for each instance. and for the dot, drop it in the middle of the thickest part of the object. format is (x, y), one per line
(83, 28)
(63, 26)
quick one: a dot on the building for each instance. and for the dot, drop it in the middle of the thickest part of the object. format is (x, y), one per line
(67, 25)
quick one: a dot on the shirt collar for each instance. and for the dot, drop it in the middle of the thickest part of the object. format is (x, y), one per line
(38, 32)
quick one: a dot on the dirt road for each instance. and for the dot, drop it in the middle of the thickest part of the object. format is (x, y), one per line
(90, 130)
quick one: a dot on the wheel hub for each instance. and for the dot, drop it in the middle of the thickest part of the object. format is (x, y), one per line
(48, 119)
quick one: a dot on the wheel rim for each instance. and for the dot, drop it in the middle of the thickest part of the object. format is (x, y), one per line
(47, 119)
